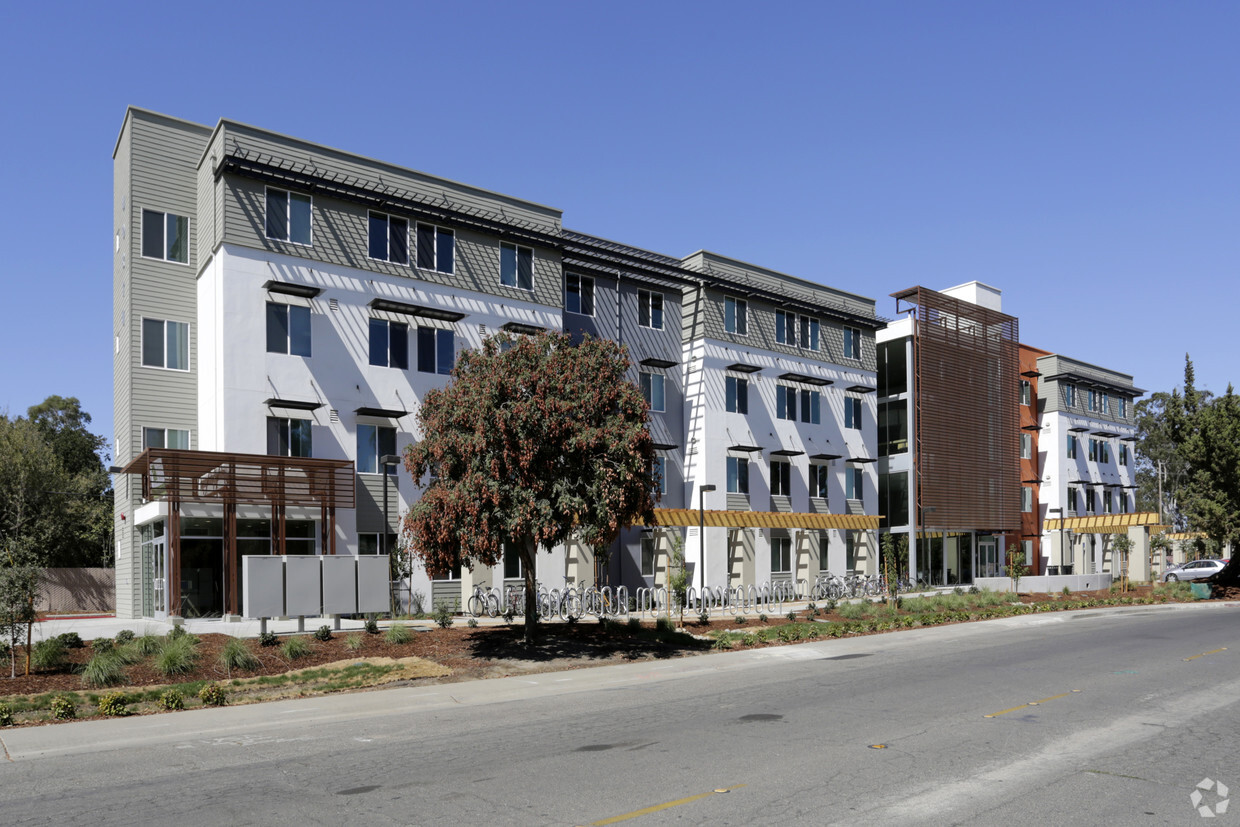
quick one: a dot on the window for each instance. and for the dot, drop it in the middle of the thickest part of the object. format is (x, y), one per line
(1093, 450)
(1026, 392)
(1104, 451)
(809, 333)
(389, 238)
(735, 316)
(1123, 455)
(647, 555)
(371, 542)
(786, 328)
(781, 478)
(165, 344)
(781, 555)
(389, 344)
(852, 412)
(1026, 500)
(374, 441)
(436, 350)
(1123, 503)
(1121, 405)
(1090, 501)
(512, 562)
(288, 216)
(850, 552)
(1027, 545)
(737, 395)
(892, 427)
(738, 475)
(650, 309)
(516, 266)
(652, 390)
(436, 248)
(1071, 446)
(853, 483)
(785, 403)
(852, 343)
(288, 329)
(658, 470)
(288, 437)
(578, 294)
(1072, 500)
(1103, 405)
(1069, 396)
(819, 475)
(170, 438)
(1091, 402)
(165, 236)
(1026, 446)
(811, 407)
(1107, 502)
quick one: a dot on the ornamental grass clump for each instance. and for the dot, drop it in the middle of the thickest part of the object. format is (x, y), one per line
(177, 656)
(104, 669)
(294, 648)
(237, 655)
(49, 655)
(398, 634)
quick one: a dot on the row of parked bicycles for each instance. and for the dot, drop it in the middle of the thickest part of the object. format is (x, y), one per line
(568, 603)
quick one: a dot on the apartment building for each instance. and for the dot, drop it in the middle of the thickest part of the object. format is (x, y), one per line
(280, 308)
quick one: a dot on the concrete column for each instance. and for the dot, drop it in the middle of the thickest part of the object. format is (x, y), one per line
(741, 558)
(578, 562)
(1139, 555)
(806, 550)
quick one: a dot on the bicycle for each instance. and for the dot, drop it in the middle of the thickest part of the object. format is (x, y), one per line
(483, 601)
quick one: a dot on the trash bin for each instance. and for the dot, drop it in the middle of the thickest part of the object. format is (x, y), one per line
(1052, 571)
(1065, 569)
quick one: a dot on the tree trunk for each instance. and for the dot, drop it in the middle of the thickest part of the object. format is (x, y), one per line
(529, 552)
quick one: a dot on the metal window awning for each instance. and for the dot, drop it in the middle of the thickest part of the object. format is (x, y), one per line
(669, 517)
(292, 404)
(859, 389)
(425, 312)
(1078, 429)
(862, 460)
(664, 446)
(741, 367)
(522, 328)
(289, 289)
(381, 413)
(825, 457)
(747, 449)
(1128, 439)
(1030, 373)
(654, 362)
(804, 379)
(1101, 524)
(1105, 433)
(786, 452)
(1033, 427)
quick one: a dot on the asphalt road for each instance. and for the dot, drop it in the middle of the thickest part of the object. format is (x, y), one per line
(1134, 708)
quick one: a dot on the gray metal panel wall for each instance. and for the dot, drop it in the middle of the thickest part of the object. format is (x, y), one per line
(603, 324)
(370, 503)
(1051, 392)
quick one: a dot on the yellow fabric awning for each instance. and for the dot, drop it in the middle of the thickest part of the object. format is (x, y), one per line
(1102, 523)
(1187, 535)
(764, 519)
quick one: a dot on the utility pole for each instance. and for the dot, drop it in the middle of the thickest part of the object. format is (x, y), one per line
(1160, 491)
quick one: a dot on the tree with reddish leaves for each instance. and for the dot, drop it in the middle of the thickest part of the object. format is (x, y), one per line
(535, 439)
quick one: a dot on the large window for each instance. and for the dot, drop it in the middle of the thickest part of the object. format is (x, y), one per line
(1123, 502)
(1026, 392)
(737, 395)
(852, 412)
(288, 216)
(389, 238)
(288, 437)
(781, 555)
(373, 442)
(811, 407)
(1107, 502)
(809, 333)
(736, 316)
(436, 248)
(171, 438)
(516, 266)
(288, 329)
(389, 344)
(1099, 451)
(892, 428)
(1072, 446)
(165, 344)
(1069, 396)
(1072, 506)
(436, 350)
(819, 477)
(854, 479)
(781, 478)
(512, 562)
(648, 555)
(1097, 402)
(893, 499)
(579, 294)
(1026, 446)
(165, 236)
(1026, 500)
(892, 367)
(852, 343)
(738, 475)
(1123, 455)
(1090, 501)
(786, 328)
(650, 309)
(785, 402)
(652, 390)
(1121, 405)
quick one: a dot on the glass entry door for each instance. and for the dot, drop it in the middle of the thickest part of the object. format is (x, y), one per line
(988, 558)
(154, 570)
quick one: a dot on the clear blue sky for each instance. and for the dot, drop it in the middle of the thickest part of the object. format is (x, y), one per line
(1084, 157)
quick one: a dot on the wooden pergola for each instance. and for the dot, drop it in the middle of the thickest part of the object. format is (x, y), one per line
(177, 477)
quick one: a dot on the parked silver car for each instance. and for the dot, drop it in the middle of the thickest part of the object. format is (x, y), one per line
(1196, 570)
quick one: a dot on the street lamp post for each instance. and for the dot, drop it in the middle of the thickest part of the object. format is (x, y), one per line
(702, 489)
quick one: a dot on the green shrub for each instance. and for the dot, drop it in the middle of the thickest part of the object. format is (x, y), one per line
(176, 632)
(473, 622)
(372, 626)
(294, 648)
(177, 656)
(741, 620)
(703, 617)
(722, 643)
(114, 705)
(237, 655)
(4, 651)
(6, 715)
(398, 633)
(443, 615)
(762, 618)
(1066, 591)
(104, 669)
(49, 655)
(125, 636)
(101, 644)
(751, 639)
(664, 626)
(128, 654)
(323, 633)
(172, 700)
(831, 604)
(792, 616)
(212, 695)
(148, 644)
(268, 639)
(71, 640)
(353, 642)
(63, 709)
(634, 623)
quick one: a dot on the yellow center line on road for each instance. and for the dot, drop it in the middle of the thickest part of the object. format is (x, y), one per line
(1029, 704)
(1203, 654)
(657, 807)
